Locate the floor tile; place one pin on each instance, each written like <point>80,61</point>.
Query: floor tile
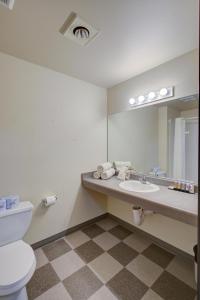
<point>151,295</point>
<point>171,288</point>
<point>76,239</point>
<point>126,286</point>
<point>41,258</point>
<point>105,267</point>
<point>82,284</point>
<point>103,294</point>
<point>107,224</point>
<point>123,253</point>
<point>55,249</point>
<point>120,232</point>
<point>43,279</point>
<point>67,264</point>
<point>158,255</point>
<point>106,240</point>
<point>137,242</point>
<point>89,251</point>
<point>57,292</point>
<point>93,230</point>
<point>144,269</point>
<point>183,269</point>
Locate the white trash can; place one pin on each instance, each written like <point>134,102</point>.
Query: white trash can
<point>138,215</point>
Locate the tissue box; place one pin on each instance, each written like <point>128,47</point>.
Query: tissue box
<point>2,204</point>
<point>11,201</point>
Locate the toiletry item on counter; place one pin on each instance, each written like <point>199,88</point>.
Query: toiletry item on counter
<point>182,186</point>
<point>108,173</point>
<point>120,164</point>
<point>10,201</point>
<point>171,187</point>
<point>191,188</point>
<point>187,187</point>
<point>97,175</point>
<point>156,171</point>
<point>103,167</point>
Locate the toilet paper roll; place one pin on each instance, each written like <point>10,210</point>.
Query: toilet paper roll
<point>48,201</point>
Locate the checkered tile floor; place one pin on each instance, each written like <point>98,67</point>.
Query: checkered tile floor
<point>107,262</point>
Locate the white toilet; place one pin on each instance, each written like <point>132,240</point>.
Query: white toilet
<point>17,259</point>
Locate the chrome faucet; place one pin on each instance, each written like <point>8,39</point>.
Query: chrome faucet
<point>143,179</point>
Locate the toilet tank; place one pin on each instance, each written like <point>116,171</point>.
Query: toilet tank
<point>15,222</point>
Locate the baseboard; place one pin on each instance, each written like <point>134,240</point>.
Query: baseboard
<point>130,227</point>
<point>67,231</point>
<point>155,240</point>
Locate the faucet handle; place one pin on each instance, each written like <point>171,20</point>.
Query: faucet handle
<point>143,179</point>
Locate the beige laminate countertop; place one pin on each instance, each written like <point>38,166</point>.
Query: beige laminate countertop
<point>177,205</point>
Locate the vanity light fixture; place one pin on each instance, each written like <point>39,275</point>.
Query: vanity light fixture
<point>132,101</point>
<point>161,94</point>
<point>151,96</point>
<point>141,99</point>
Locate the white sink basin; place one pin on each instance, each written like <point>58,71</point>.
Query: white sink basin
<point>137,186</point>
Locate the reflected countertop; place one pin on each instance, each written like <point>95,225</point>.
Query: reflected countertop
<point>177,205</point>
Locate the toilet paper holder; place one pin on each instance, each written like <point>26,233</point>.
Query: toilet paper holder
<point>49,201</point>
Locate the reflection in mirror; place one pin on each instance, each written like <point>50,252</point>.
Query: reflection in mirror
<point>160,140</point>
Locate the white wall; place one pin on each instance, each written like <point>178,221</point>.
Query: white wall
<point>133,136</point>
<point>52,128</point>
<point>181,72</point>
<point>191,113</point>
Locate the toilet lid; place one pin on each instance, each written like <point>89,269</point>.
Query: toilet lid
<point>16,261</point>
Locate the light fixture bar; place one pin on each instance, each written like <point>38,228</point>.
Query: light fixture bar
<point>152,96</point>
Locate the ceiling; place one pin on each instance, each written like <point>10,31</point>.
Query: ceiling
<point>136,35</point>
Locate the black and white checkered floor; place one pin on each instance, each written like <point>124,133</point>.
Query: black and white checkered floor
<point>105,261</point>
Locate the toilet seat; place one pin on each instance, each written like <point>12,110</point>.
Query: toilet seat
<point>17,265</point>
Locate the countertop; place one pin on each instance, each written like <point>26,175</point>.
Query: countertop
<point>177,205</point>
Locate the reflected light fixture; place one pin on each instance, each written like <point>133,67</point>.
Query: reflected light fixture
<point>141,99</point>
<point>132,101</point>
<point>151,95</point>
<point>163,92</point>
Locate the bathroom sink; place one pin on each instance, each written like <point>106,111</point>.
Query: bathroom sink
<point>137,186</point>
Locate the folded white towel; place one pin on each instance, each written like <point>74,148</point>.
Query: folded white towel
<point>96,175</point>
<point>119,164</point>
<point>103,167</point>
<point>108,173</point>
<point>122,173</point>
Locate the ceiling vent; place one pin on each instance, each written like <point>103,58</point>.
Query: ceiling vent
<point>8,3</point>
<point>79,31</point>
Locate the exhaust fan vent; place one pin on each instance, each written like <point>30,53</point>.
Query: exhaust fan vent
<point>8,3</point>
<point>76,29</point>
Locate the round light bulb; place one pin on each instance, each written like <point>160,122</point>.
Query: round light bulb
<point>163,92</point>
<point>132,101</point>
<point>141,99</point>
<point>151,96</point>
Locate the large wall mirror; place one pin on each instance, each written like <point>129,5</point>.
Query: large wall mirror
<point>160,140</point>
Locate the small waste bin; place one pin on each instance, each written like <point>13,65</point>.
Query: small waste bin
<point>195,261</point>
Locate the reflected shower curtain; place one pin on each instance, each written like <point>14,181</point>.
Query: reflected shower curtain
<point>179,149</point>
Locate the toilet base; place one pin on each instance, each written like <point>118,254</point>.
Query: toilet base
<point>19,295</point>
